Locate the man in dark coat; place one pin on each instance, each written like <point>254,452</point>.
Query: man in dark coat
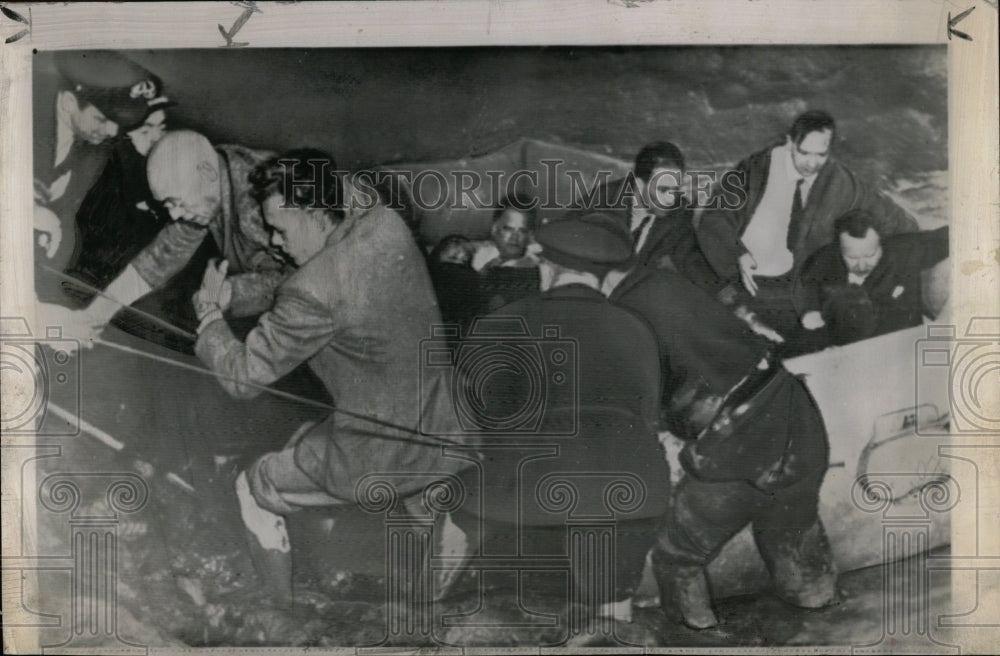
<point>79,113</point>
<point>356,310</point>
<point>652,205</point>
<point>596,427</point>
<point>865,285</point>
<point>778,209</point>
<point>756,453</point>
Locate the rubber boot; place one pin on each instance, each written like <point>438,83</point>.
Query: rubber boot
<point>684,593</point>
<point>274,568</point>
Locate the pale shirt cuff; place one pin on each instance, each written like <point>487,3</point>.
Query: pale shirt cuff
<point>212,316</point>
<point>126,289</point>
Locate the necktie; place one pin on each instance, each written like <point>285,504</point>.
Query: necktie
<point>798,214</point>
<point>637,233</point>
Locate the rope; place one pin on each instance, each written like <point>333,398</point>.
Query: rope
<point>415,436</point>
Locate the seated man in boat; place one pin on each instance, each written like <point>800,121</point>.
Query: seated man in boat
<point>355,310</point>
<point>508,261</point>
<point>866,284</point>
<point>456,283</point>
<point>756,449</point>
<point>510,243</point>
<point>651,203</point>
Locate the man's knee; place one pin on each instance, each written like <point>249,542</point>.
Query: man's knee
<point>266,526</point>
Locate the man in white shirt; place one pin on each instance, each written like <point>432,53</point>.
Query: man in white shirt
<point>510,243</point>
<point>791,194</point>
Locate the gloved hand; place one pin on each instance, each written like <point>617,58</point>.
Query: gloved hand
<point>216,292</point>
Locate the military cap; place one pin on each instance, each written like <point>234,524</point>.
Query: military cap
<point>593,242</point>
<point>123,90</point>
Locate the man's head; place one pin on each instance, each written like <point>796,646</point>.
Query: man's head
<point>149,132</point>
<point>87,122</point>
<point>511,230</point>
<point>453,249</point>
<point>103,93</point>
<point>860,242</point>
<point>809,139</point>
<point>183,171</point>
<point>589,246</point>
<point>301,196</point>
<point>659,172</point>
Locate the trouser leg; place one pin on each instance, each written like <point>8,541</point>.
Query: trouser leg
<point>794,545</point>
<point>633,541</point>
<point>267,539</point>
<point>702,518</point>
<point>274,486</point>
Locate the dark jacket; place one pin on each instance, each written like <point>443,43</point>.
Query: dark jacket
<point>357,312</point>
<point>595,446</point>
<point>891,292</point>
<point>112,228</point>
<point>671,242</point>
<point>835,191</point>
<point>709,360</point>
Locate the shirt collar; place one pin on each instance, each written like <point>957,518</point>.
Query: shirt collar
<point>793,174</point>
<point>64,135</point>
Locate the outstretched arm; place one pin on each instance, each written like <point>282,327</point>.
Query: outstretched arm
<point>294,330</point>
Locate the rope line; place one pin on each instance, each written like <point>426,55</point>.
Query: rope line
<point>415,436</point>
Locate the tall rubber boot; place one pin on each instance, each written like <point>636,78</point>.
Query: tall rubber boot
<point>684,592</point>
<point>274,567</point>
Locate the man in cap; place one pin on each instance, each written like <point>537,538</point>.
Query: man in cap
<point>596,430</point>
<point>205,190</point>
<point>100,95</point>
<point>119,216</point>
<point>756,448</point>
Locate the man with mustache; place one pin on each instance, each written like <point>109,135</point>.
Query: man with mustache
<point>862,285</point>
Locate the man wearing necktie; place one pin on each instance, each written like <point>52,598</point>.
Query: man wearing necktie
<point>790,195</point>
<point>652,203</point>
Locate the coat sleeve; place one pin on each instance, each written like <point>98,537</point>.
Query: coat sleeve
<point>719,232</point>
<point>169,252</point>
<point>295,329</point>
<point>892,219</point>
<point>933,246</point>
<point>254,292</point>
<point>806,287</point>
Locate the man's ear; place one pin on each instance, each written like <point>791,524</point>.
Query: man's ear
<point>208,171</point>
<point>67,101</point>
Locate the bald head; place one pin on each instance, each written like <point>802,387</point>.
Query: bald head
<point>183,171</point>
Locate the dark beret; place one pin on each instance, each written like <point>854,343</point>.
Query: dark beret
<point>593,242</point>
<point>122,89</point>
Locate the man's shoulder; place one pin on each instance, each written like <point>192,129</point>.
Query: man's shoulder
<point>243,156</point>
